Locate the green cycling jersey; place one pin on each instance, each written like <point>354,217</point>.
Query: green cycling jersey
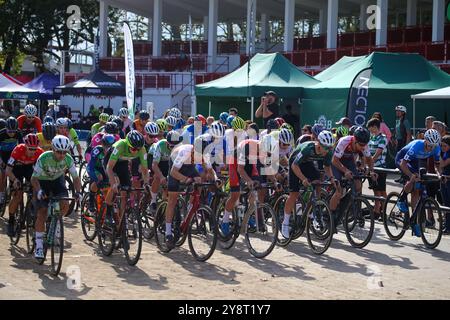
<point>160,151</point>
<point>48,168</point>
<point>122,152</point>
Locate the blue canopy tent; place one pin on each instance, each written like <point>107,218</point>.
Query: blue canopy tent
<point>45,83</point>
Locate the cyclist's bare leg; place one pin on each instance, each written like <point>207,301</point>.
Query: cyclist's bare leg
<point>336,198</point>
<point>40,220</point>
<point>64,205</point>
<point>290,202</point>
<point>16,199</point>
<point>171,204</point>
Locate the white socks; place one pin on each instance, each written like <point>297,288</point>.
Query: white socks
<point>168,229</point>
<point>287,216</point>
<point>154,195</point>
<point>226,217</point>
<point>39,240</point>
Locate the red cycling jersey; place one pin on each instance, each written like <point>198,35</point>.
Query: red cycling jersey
<point>19,156</point>
<point>34,127</point>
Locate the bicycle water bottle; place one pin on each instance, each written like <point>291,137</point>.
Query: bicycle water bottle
<point>298,209</point>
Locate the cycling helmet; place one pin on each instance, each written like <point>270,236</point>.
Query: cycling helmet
<point>175,112</point>
<point>49,130</point>
<point>151,128</point>
<point>62,122</point>
<point>238,123</point>
<point>279,121</point>
<point>286,136</point>
<point>287,126</point>
<point>11,124</point>
<point>268,144</point>
<point>110,128</point>
<point>400,108</point>
<point>30,110</point>
<point>123,112</point>
<point>171,121</point>
<point>272,124</point>
<point>69,123</point>
<point>433,137</point>
<point>103,117</point>
<point>201,118</point>
<point>31,140</point>
<point>118,122</point>
<point>317,129</point>
<point>217,129</point>
<point>326,139</point>
<point>173,137</point>
<point>223,117</point>
<point>61,143</point>
<point>229,120</point>
<point>144,115</point>
<point>352,129</point>
<point>342,131</point>
<point>162,124</point>
<point>362,135</point>
<point>49,119</point>
<point>108,140</point>
<point>135,139</point>
<point>181,123</point>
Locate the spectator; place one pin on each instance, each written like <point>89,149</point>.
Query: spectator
<point>109,110</point>
<point>51,112</point>
<point>402,128</point>
<point>268,109</point>
<point>440,127</point>
<point>445,186</point>
<point>344,121</point>
<point>292,119</point>
<point>233,112</point>
<point>209,121</point>
<point>100,110</point>
<point>93,113</point>
<point>383,126</point>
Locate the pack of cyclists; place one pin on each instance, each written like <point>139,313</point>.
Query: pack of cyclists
<point>166,155</point>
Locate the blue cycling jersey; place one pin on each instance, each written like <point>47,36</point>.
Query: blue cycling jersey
<point>189,134</point>
<point>415,150</point>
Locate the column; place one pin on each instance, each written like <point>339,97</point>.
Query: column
<point>150,29</point>
<point>322,21</point>
<point>264,35</point>
<point>251,27</point>
<point>212,34</point>
<point>289,21</point>
<point>381,23</point>
<point>103,29</point>
<point>362,17</point>
<point>411,12</point>
<point>332,23</point>
<point>157,27</point>
<point>439,14</point>
<point>205,28</point>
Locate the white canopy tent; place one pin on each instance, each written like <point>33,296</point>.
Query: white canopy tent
<point>438,94</point>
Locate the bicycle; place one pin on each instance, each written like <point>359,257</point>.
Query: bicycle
<point>260,230</point>
<point>198,225</point>
<point>54,236</point>
<point>88,220</point>
<point>6,201</point>
<point>396,221</point>
<point>22,214</point>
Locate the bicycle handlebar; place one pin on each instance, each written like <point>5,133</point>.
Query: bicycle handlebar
<point>386,170</point>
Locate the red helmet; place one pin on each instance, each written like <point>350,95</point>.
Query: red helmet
<point>279,121</point>
<point>31,140</point>
<point>201,118</point>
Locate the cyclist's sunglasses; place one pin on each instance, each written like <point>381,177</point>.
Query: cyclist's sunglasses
<point>61,152</point>
<point>30,118</point>
<point>134,149</point>
<point>285,144</point>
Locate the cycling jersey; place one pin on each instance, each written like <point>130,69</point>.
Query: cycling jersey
<point>415,150</point>
<point>95,164</point>
<point>96,128</point>
<point>19,156</point>
<point>26,128</point>
<point>189,134</point>
<point>121,152</point>
<point>248,156</point>
<point>73,136</point>
<point>344,148</point>
<point>306,152</point>
<point>304,138</point>
<point>160,151</point>
<point>48,168</point>
<point>378,142</point>
<point>283,152</point>
<point>7,143</point>
<point>126,125</point>
<point>46,145</point>
<point>136,125</point>
<point>97,139</point>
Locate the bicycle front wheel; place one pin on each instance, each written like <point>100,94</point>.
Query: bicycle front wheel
<point>19,221</point>
<point>227,240</point>
<point>106,234</point>
<point>359,223</point>
<point>29,226</point>
<point>261,230</point>
<point>202,233</point>
<point>88,224</point>
<point>319,227</point>
<point>132,237</point>
<point>394,220</point>
<point>57,246</point>
<point>431,223</point>
<point>160,227</point>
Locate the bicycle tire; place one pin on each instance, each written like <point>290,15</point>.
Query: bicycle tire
<point>18,220</point>
<point>361,221</point>
<point>147,219</point>
<point>29,226</point>
<point>160,228</point>
<point>392,216</point>
<point>422,222</point>
<point>86,224</point>
<point>311,228</point>
<point>5,204</point>
<point>299,219</point>
<point>227,242</point>
<point>279,211</point>
<point>199,220</point>
<point>57,247</point>
<point>104,235</point>
<point>180,215</point>
<point>132,218</point>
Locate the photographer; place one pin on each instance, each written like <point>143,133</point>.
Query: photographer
<point>268,109</point>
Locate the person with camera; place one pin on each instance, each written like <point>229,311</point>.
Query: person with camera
<point>268,109</point>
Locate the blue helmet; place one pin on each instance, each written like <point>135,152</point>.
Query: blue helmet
<point>229,120</point>
<point>108,140</point>
<point>223,117</point>
<point>49,119</point>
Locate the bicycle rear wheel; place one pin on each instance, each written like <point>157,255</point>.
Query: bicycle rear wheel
<point>227,241</point>
<point>202,233</point>
<point>19,219</point>
<point>106,234</point>
<point>29,226</point>
<point>7,198</point>
<point>180,215</point>
<point>147,220</point>
<point>431,223</point>
<point>57,246</point>
<point>160,227</point>
<point>279,212</point>
<point>359,223</point>
<point>319,227</point>
<point>261,241</point>
<point>394,220</point>
<point>88,224</point>
<point>132,236</point>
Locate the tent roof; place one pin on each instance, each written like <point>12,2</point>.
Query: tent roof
<point>267,72</point>
<point>390,71</point>
<point>10,90</point>
<point>44,83</point>
<point>443,93</point>
<point>341,65</point>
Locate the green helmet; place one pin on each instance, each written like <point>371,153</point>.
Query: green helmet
<point>287,126</point>
<point>162,124</point>
<point>342,131</point>
<point>103,117</point>
<point>238,123</point>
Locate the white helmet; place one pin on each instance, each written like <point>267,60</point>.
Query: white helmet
<point>61,143</point>
<point>217,129</point>
<point>286,136</point>
<point>30,110</point>
<point>433,137</point>
<point>151,128</point>
<point>326,138</point>
<point>61,122</point>
<point>400,108</point>
<point>171,121</point>
<point>269,144</point>
<point>123,112</point>
<point>175,112</point>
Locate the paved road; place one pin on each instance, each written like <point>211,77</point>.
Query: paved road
<point>382,270</point>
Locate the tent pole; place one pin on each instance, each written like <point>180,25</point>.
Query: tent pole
<point>253,107</point>
<point>209,109</point>
<point>414,116</point>
<point>83,105</point>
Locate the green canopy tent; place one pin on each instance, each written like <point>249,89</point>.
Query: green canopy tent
<point>358,86</point>
<point>267,72</point>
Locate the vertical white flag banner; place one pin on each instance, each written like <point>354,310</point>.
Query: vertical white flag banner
<point>129,69</point>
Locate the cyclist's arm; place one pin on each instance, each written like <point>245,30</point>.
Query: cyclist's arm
<point>338,164</point>
<point>243,174</point>
<point>9,172</point>
<point>156,170</point>
<point>298,172</point>
<point>109,170</point>
<point>175,173</point>
<point>329,172</point>
<point>38,125</point>
<point>405,169</point>
<point>35,184</point>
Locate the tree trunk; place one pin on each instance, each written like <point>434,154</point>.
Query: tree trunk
<point>230,33</point>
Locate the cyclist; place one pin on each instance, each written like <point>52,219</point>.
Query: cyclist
<point>302,170</point>
<point>171,123</point>
<point>315,131</point>
<point>223,118</point>
<point>124,116</point>
<point>48,119</point>
<point>20,166</point>
<point>162,125</point>
<point>63,127</point>
<point>108,128</point>
<point>96,170</point>
<point>29,122</point>
<point>48,179</point>
<point>445,186</point>
<point>102,119</point>
<point>270,126</point>
<point>141,121</point>
<point>407,160</point>
<point>45,137</point>
<point>10,137</point>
